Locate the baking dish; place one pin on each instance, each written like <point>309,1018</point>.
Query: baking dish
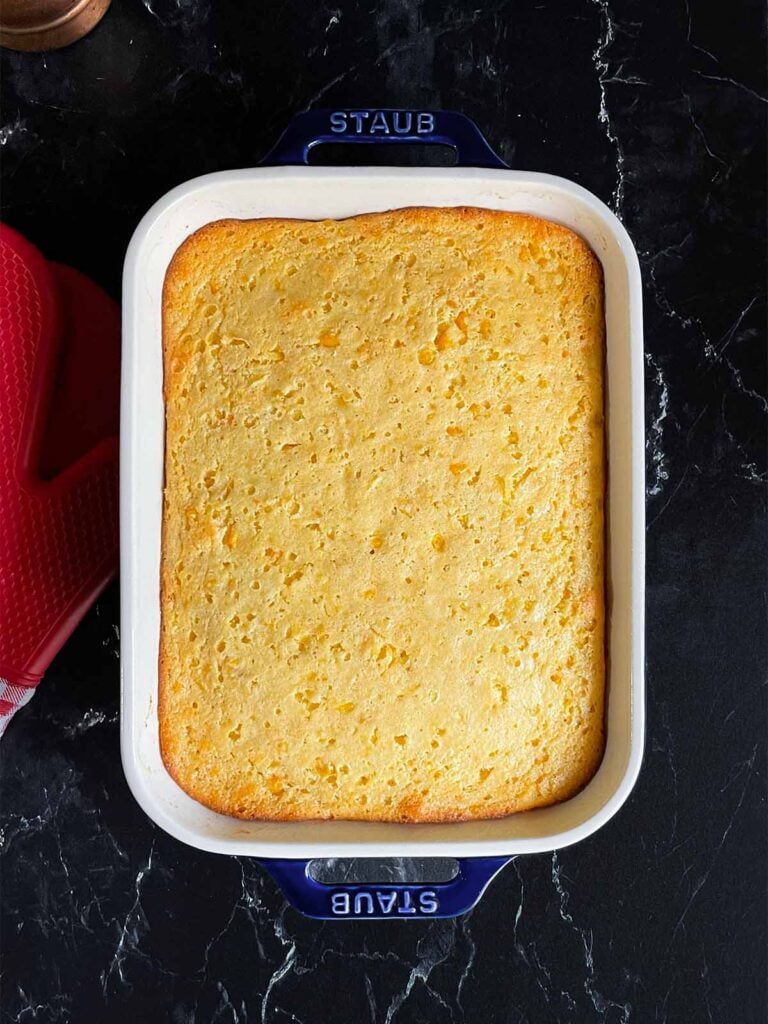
<point>288,187</point>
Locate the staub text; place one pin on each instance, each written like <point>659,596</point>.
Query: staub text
<point>384,904</point>
<point>382,122</point>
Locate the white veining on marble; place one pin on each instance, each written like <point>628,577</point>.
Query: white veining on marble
<point>239,1014</point>
<point>334,18</point>
<point>600,1002</point>
<point>433,949</point>
<point>370,997</point>
<point>463,925</point>
<point>133,927</point>
<point>722,79</point>
<point>743,770</point>
<point>417,46</point>
<point>148,5</point>
<point>112,643</point>
<point>400,22</point>
<point>205,967</point>
<point>731,81</point>
<point>700,132</point>
<point>540,974</point>
<point>713,354</point>
<point>31,1011</point>
<point>20,826</point>
<point>667,748</point>
<point>654,442</point>
<point>527,951</point>
<point>600,59</point>
<point>184,14</point>
<point>9,132</point>
<point>91,718</point>
<point>716,354</point>
<point>283,968</point>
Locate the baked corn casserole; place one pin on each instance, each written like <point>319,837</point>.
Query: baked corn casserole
<point>382,566</point>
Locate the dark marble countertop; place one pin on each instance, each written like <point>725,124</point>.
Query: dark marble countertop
<point>660,109</point>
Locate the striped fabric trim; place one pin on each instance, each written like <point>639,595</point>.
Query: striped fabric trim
<point>12,698</point>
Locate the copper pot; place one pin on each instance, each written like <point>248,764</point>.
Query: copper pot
<point>48,24</point>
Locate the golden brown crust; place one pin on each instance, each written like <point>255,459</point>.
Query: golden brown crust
<point>240,277</point>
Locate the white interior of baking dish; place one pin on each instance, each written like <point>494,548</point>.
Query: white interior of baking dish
<point>315,192</point>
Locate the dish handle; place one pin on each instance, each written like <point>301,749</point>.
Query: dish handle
<point>406,901</point>
<point>388,126</point>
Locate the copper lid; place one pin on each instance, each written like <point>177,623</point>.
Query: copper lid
<point>48,24</point>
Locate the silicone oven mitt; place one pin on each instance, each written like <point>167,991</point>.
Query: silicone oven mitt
<point>59,373</point>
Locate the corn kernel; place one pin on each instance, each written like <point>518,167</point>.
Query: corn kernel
<point>443,341</point>
<point>346,707</point>
<point>377,541</point>
<point>275,785</point>
<point>426,356</point>
<point>230,536</point>
<point>454,431</point>
<point>328,340</point>
<point>457,467</point>
<point>438,542</point>
<point>493,620</point>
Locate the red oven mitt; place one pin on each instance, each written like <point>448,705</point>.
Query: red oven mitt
<point>59,400</point>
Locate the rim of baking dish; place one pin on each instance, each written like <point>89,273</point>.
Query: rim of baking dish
<point>379,838</point>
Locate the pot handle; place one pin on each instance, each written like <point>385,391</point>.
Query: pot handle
<point>405,901</point>
<point>389,126</point>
